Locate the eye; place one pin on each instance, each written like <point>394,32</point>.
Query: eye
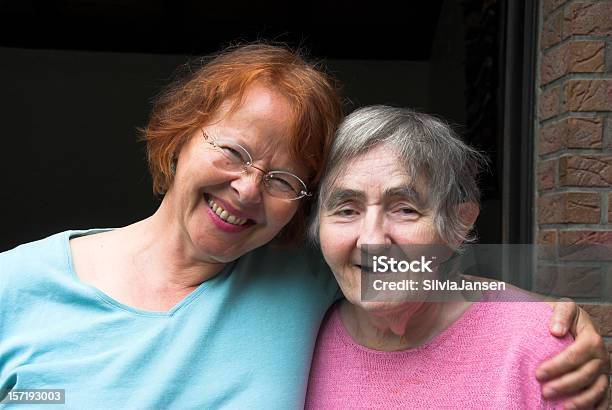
<point>345,212</point>
<point>281,184</point>
<point>405,211</point>
<point>232,153</point>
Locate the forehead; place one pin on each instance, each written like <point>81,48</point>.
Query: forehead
<point>260,105</point>
<point>260,121</point>
<point>375,169</point>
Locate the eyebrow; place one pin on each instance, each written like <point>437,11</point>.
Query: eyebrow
<point>408,192</point>
<point>236,139</point>
<point>341,195</point>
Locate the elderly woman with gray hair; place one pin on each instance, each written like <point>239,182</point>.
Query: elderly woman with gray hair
<point>398,177</point>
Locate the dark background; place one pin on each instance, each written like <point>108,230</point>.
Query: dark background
<point>77,79</point>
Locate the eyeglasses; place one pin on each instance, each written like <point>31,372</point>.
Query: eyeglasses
<point>235,158</point>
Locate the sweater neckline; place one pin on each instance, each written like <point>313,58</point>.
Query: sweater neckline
<point>114,303</point>
<point>470,315</point>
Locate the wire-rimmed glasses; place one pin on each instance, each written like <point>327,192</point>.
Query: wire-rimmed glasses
<point>235,158</point>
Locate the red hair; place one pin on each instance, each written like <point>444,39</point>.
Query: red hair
<point>192,101</point>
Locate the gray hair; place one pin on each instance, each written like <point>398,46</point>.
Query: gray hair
<point>427,147</point>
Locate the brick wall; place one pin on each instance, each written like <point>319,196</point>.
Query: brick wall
<point>574,143</point>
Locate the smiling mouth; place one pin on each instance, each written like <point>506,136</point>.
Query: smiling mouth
<point>226,215</point>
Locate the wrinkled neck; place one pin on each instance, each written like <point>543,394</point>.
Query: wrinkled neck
<point>406,326</point>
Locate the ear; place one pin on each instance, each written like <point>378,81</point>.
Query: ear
<point>468,212</point>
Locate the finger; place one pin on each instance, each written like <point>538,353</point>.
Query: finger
<point>563,318</point>
<point>605,403</point>
<point>590,397</point>
<point>587,345</point>
<point>569,359</point>
<point>573,382</point>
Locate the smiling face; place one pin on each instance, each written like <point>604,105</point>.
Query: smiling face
<point>226,214</point>
<point>374,202</point>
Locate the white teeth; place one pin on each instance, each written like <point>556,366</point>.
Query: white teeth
<point>226,216</point>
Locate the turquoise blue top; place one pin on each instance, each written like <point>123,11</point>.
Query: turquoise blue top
<point>243,339</point>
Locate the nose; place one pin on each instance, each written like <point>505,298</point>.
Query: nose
<point>373,230</point>
<point>247,186</point>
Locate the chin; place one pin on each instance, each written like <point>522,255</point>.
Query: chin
<point>210,246</point>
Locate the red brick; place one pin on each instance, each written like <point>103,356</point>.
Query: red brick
<point>588,237</point>
<point>549,103</point>
<point>569,281</point>
<point>601,314</point>
<point>607,133</point>
<point>571,133</point>
<point>547,241</point>
<point>549,210</point>
<point>569,207</point>
<point>552,30</point>
<point>591,171</point>
<point>584,133</point>
<point>555,64</point>
<point>586,57</point>
<point>608,62</point>
<point>552,137</point>
<point>547,237</point>
<point>546,174</point>
<point>587,95</point>
<point>550,5</point>
<point>572,57</point>
<point>585,245</point>
<point>588,18</point>
<point>582,207</point>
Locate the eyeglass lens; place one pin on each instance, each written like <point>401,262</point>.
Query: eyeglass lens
<point>277,183</point>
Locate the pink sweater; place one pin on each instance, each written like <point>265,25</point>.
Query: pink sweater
<point>485,360</point>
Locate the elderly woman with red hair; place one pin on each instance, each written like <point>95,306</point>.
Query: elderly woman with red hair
<point>190,308</point>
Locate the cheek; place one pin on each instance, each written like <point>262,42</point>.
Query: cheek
<point>280,214</point>
<point>417,234</point>
<point>335,245</point>
<point>325,242</point>
<point>427,235</point>
<point>338,244</point>
<point>195,175</point>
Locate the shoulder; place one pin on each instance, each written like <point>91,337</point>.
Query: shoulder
<point>518,341</point>
<point>36,262</point>
<point>49,250</point>
<point>27,274</point>
<point>524,327</point>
